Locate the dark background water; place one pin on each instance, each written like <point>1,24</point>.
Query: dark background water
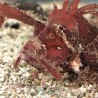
<point>87,1</point>
<point>57,0</point>
<point>39,5</point>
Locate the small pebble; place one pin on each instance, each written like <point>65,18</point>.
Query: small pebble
<point>12,23</point>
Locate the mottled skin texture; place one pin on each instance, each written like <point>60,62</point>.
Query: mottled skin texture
<point>67,40</point>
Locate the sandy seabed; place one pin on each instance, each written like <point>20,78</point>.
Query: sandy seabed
<point>19,83</point>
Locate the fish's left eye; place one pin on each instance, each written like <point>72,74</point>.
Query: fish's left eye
<point>61,28</point>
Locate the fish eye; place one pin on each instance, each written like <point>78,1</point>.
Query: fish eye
<point>61,28</point>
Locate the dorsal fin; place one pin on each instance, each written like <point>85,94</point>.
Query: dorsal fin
<point>65,5</point>
<point>73,6</point>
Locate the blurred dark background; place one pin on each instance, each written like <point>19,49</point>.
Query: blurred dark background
<point>41,7</point>
<point>33,4</point>
<point>30,3</point>
<point>85,1</point>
